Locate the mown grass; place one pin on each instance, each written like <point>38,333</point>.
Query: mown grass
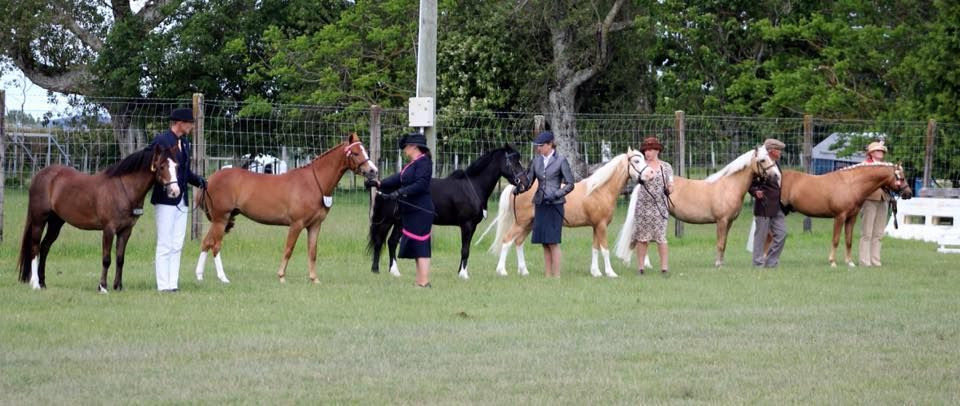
<point>803,333</point>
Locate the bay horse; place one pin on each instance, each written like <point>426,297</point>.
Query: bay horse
<point>111,200</point>
<point>591,203</point>
<point>840,194</point>
<point>716,199</point>
<point>300,198</point>
<point>458,200</point>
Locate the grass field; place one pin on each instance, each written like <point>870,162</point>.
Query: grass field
<point>803,333</point>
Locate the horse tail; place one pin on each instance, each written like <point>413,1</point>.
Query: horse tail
<point>26,249</point>
<point>505,218</point>
<point>622,246</point>
<point>377,217</point>
<point>200,201</point>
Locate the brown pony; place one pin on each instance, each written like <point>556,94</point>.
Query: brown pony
<point>591,203</point>
<point>300,198</point>
<point>717,199</point>
<point>839,194</point>
<point>111,201</point>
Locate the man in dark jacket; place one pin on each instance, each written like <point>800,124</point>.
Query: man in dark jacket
<point>767,214</point>
<point>171,213</point>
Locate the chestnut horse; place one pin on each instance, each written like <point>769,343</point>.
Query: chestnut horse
<point>300,199</point>
<point>839,194</point>
<point>717,199</point>
<point>591,203</point>
<point>111,201</point>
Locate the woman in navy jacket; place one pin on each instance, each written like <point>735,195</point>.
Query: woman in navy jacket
<point>411,187</point>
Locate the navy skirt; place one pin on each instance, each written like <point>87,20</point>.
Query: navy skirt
<point>413,247</point>
<point>547,223</point>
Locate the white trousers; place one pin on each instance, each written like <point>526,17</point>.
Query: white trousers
<point>171,230</point>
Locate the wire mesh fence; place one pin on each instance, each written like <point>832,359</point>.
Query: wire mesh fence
<point>275,138</point>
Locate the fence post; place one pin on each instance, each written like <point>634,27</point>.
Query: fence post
<point>3,155</point>
<point>807,160</point>
<point>928,154</point>
<point>375,134</point>
<point>679,125</point>
<point>199,163</point>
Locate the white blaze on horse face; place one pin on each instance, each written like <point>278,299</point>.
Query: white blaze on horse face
<point>173,189</point>
<point>637,165</point>
<point>373,167</point>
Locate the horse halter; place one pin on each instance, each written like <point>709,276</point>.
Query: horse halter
<point>633,168</point>
<point>153,168</point>
<point>513,170</point>
<point>348,151</point>
<point>760,168</point>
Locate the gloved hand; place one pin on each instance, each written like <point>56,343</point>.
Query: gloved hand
<point>391,196</point>
<point>203,182</point>
<point>516,191</point>
<point>369,183</point>
<point>549,196</point>
<point>666,191</point>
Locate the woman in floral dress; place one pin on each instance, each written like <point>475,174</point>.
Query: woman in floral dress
<point>651,214</point>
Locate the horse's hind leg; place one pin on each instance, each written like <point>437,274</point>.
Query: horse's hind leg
<point>107,245</point>
<point>392,243</point>
<point>122,237</point>
<point>378,236</point>
<point>600,243</point>
<point>466,235</point>
<point>292,236</point>
<point>213,242</point>
<point>54,225</point>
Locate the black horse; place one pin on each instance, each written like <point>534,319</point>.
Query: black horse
<point>459,200</point>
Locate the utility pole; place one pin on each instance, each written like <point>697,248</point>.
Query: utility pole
<point>427,68</point>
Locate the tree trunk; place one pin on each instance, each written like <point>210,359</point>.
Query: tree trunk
<point>563,123</point>
<point>123,135</point>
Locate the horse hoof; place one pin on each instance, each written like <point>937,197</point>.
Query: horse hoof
<point>851,264</point>
<point>283,279</point>
<point>833,264</point>
<point>522,272</point>
<point>375,271</point>
<point>315,281</point>
<point>595,274</point>
<point>102,289</point>
<point>612,275</point>
<point>200,277</point>
<point>224,280</point>
<point>463,275</point>
<point>502,272</point>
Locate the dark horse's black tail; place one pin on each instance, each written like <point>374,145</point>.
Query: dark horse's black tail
<point>377,234</point>
<point>26,249</point>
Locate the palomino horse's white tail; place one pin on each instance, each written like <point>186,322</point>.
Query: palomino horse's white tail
<point>504,219</point>
<point>623,250</point>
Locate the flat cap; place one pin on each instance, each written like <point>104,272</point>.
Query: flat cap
<point>773,143</point>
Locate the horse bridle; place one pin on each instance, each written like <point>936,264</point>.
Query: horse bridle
<point>513,170</point>
<point>760,168</point>
<point>632,168</point>
<point>348,150</point>
<point>898,180</point>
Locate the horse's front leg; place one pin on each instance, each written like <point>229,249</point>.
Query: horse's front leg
<point>292,236</point>
<point>466,235</point>
<point>837,223</point>
<point>392,244</point>
<point>848,234</point>
<point>106,246</point>
<point>600,240</point>
<point>122,237</point>
<point>723,228</point>
<point>213,242</point>
<point>312,233</point>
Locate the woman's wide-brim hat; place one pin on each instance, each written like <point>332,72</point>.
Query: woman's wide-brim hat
<point>651,143</point>
<point>185,115</point>
<point>417,139</point>
<point>876,146</point>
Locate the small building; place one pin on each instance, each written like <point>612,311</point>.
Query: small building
<point>825,157</point>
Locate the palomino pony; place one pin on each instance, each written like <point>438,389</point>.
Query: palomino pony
<point>591,203</point>
<point>111,201</point>
<point>839,194</point>
<point>300,199</point>
<point>458,200</point>
<point>717,199</point>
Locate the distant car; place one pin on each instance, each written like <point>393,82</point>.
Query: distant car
<point>263,163</point>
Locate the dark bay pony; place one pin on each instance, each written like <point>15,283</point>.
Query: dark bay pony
<point>111,200</point>
<point>459,200</point>
<point>716,199</point>
<point>839,194</point>
<point>300,199</point>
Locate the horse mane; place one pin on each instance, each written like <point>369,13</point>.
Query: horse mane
<point>865,165</point>
<point>737,165</point>
<point>605,173</point>
<point>135,162</point>
<point>476,166</point>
